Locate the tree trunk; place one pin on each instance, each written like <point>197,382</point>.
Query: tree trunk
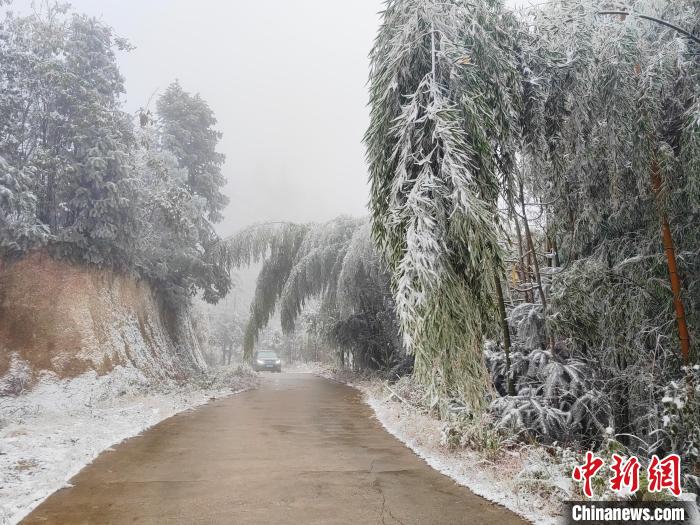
<point>683,334</point>
<point>506,332</point>
<point>521,258</point>
<point>555,247</point>
<point>531,249</point>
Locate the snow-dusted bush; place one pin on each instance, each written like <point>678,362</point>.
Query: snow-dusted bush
<point>526,321</point>
<point>557,397</point>
<point>462,431</point>
<point>680,416</point>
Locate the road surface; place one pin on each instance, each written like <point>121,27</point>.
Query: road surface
<point>299,450</point>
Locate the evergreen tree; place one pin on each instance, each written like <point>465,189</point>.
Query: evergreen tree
<point>187,131</point>
<point>77,178</point>
<point>63,132</point>
<point>175,245</point>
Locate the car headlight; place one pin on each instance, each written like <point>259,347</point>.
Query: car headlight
<point>260,362</point>
<point>278,362</point>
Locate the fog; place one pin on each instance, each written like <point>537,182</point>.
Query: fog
<point>286,80</point>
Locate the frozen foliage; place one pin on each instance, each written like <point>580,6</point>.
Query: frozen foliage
<point>581,183</point>
<point>527,323</point>
<point>187,127</point>
<point>18,232</point>
<point>556,399</point>
<point>79,179</point>
<point>175,246</point>
<point>612,144</point>
<point>680,417</point>
<point>63,136</point>
<point>51,432</point>
<point>334,262</point>
<point>442,95</point>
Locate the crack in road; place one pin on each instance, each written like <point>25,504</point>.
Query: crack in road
<point>385,509</point>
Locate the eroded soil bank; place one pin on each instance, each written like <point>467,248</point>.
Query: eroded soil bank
<point>67,319</point>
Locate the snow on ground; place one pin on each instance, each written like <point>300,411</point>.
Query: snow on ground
<point>528,481</point>
<point>50,433</point>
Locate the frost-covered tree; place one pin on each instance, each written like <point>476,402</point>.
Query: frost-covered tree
<point>63,132</point>
<point>443,95</point>
<point>334,263</point>
<point>228,333</point>
<point>78,180</point>
<point>175,243</point>
<point>366,325</point>
<point>587,143</point>
<point>612,144</point>
<point>187,124</point>
<point>609,164</point>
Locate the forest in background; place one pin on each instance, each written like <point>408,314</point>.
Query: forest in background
<point>532,244</point>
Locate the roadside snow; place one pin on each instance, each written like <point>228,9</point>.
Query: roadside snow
<point>50,433</point>
<point>505,481</point>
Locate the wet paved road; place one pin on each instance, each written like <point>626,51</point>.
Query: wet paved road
<point>299,450</point>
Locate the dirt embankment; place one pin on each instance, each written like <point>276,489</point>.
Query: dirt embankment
<point>69,319</point>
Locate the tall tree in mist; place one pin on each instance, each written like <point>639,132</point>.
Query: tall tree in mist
<point>188,131</point>
<point>78,180</point>
<point>63,133</point>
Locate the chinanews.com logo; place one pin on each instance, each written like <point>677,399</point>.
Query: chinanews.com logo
<point>631,512</point>
<point>662,474</point>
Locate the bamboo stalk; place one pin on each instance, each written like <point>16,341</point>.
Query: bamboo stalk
<point>555,247</point>
<point>518,231</point>
<point>669,248</point>
<point>531,247</point>
<point>506,332</point>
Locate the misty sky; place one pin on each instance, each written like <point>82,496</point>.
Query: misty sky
<point>286,80</point>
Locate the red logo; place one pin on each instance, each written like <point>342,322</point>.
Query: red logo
<point>662,473</point>
<point>626,474</point>
<point>586,471</point>
<point>665,474</point>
